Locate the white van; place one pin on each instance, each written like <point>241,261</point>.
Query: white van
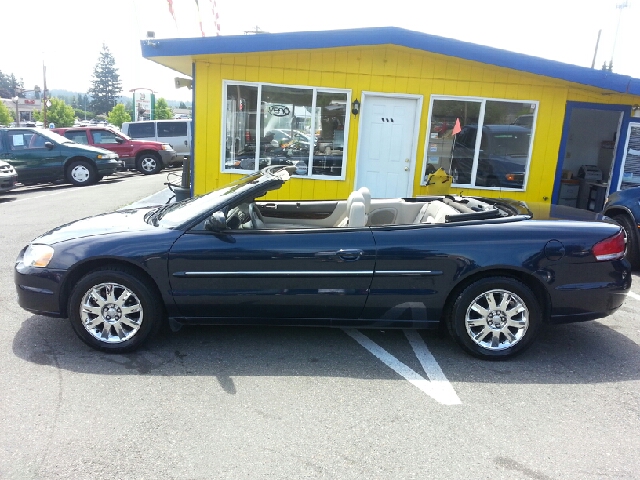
<point>178,133</point>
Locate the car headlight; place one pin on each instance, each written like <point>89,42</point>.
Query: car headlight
<point>37,255</point>
<point>166,146</point>
<point>107,157</point>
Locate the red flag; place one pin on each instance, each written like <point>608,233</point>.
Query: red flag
<point>456,127</point>
<point>199,18</point>
<point>216,17</point>
<point>170,2</point>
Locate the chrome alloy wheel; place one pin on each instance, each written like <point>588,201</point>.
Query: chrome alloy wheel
<point>111,313</point>
<point>80,173</point>
<point>149,164</point>
<point>497,319</point>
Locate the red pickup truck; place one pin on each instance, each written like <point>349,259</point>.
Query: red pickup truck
<point>147,157</point>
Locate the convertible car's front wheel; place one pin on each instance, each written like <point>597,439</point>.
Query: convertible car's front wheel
<point>495,317</point>
<point>114,310</point>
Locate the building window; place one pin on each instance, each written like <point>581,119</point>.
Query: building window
<point>298,126</point>
<point>480,142</point>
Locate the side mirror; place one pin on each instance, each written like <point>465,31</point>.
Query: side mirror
<point>119,139</point>
<point>216,222</point>
<point>48,145</point>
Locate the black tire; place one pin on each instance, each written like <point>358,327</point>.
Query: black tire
<point>631,230</point>
<point>112,328</point>
<point>81,173</point>
<point>149,163</point>
<point>482,328</point>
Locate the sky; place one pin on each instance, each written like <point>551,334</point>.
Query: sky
<point>67,35</point>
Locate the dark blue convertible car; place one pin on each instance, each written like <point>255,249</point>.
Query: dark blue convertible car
<point>484,268</point>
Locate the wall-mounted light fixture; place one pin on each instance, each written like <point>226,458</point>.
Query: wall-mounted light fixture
<point>635,111</point>
<point>355,107</point>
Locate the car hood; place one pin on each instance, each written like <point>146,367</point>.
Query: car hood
<point>148,143</point>
<point>129,220</point>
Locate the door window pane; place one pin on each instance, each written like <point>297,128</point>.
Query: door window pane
<point>104,137</point>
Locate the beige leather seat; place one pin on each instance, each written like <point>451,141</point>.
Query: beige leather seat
<point>434,212</point>
<point>354,196</point>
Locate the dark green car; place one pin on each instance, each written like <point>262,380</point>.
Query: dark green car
<point>39,156</point>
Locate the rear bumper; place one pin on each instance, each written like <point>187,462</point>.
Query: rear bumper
<point>580,297</point>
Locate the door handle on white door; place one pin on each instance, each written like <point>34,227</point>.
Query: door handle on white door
<point>406,169</point>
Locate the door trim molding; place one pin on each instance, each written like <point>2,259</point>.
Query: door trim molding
<point>416,132</point>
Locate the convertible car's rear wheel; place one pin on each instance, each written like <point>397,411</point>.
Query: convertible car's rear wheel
<point>495,317</point>
<point>114,310</point>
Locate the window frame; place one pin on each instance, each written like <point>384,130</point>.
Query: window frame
<point>259,120</point>
<point>483,101</point>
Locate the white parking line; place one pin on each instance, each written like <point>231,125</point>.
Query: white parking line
<point>440,389</point>
<point>635,296</point>
<point>432,369</point>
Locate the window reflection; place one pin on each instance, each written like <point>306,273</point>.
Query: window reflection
<point>288,130</point>
<point>501,158</point>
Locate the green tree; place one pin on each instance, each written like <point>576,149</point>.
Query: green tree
<point>163,112</point>
<point>5,115</point>
<point>118,115</point>
<point>59,113</point>
<point>106,83</point>
<point>10,86</point>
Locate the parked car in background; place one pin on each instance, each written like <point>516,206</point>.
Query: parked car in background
<point>146,156</point>
<point>40,155</point>
<point>484,268</point>
<point>504,150</point>
<point>8,177</point>
<point>177,133</point>
<point>624,208</point>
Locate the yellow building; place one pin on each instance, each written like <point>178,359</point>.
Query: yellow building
<point>384,107</point>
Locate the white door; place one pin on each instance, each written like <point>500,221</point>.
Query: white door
<point>387,149</point>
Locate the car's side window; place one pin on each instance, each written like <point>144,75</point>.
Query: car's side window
<point>104,137</point>
<point>172,129</point>
<point>25,140</point>
<point>142,130</point>
<point>78,137</point>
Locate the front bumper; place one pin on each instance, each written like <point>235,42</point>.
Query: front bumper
<point>109,167</point>
<point>39,289</point>
<point>8,182</point>
<point>168,157</point>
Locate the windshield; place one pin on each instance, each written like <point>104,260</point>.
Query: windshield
<point>176,214</point>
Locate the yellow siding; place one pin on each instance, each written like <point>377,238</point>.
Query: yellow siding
<point>388,69</point>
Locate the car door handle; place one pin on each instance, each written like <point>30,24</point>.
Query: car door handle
<point>349,255</point>
<point>185,142</point>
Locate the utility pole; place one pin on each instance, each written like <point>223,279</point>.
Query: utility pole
<point>593,63</point>
<point>44,97</point>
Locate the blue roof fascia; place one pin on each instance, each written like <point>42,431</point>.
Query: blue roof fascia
<point>395,36</point>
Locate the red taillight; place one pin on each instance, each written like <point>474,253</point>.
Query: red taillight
<point>610,248</point>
